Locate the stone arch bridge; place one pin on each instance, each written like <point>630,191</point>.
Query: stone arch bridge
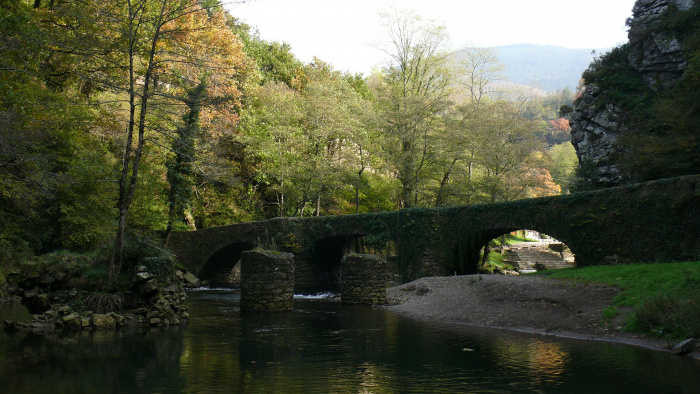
<point>654,221</point>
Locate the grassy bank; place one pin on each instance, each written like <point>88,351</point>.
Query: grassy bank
<point>665,298</point>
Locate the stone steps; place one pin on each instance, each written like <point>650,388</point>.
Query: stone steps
<point>527,257</point>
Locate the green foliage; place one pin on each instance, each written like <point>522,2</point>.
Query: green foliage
<point>142,245</point>
<point>663,315</point>
<point>148,210</point>
<point>162,265</point>
<point>563,164</point>
<point>179,169</point>
<point>275,60</point>
<point>665,297</point>
<point>674,147</point>
<point>619,83</point>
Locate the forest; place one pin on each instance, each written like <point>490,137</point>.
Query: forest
<point>148,116</point>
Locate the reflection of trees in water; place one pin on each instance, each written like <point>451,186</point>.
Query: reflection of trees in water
<point>324,347</point>
<point>99,361</point>
<point>545,361</point>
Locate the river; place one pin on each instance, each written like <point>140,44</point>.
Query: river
<point>325,347</point>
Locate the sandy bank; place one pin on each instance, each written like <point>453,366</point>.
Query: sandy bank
<point>523,303</point>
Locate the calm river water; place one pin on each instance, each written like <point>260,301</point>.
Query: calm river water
<point>323,347</point>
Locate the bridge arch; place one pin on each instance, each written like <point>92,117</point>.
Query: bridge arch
<point>466,252</point>
<point>320,270</point>
<point>222,267</point>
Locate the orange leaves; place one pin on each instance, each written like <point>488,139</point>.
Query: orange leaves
<point>200,45</point>
<point>561,124</point>
<point>541,183</point>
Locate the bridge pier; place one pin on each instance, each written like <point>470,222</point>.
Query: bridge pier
<point>267,281</point>
<point>363,279</point>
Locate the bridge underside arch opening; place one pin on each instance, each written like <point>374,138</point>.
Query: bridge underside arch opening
<point>508,251</point>
<point>320,272</point>
<point>223,268</point>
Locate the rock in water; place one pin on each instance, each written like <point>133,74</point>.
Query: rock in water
<point>684,347</point>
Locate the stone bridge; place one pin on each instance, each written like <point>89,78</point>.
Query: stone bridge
<point>648,222</point>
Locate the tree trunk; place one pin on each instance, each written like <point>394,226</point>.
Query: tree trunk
<point>126,195</point>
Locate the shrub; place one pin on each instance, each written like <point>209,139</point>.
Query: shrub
<point>668,316</point>
<point>159,265</point>
<point>104,302</point>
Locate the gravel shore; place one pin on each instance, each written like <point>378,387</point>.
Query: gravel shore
<point>524,303</point>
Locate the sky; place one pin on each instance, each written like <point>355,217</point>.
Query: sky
<point>342,32</point>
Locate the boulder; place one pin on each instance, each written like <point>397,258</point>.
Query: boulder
<point>684,347</point>
<point>72,321</point>
<point>102,321</point>
<point>189,280</point>
<point>597,126</point>
<point>149,286</point>
<point>141,276</point>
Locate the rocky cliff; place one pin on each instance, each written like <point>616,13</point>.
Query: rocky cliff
<point>653,56</point>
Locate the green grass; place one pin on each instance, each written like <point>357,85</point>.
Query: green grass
<point>516,239</point>
<point>665,297</point>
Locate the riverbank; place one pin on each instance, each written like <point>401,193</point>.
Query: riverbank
<point>526,303</point>
<point>69,292</point>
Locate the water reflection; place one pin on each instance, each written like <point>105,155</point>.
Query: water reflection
<point>545,361</point>
<point>144,361</point>
<point>328,347</point>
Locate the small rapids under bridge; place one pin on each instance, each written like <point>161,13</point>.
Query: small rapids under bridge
<point>647,222</point>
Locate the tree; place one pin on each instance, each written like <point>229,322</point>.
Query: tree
<point>55,189</point>
<point>476,69</point>
<point>180,168</point>
<point>506,143</point>
<point>415,89</point>
<point>208,73</point>
<point>309,138</point>
<point>134,50</point>
<point>563,164</point>
<point>272,129</point>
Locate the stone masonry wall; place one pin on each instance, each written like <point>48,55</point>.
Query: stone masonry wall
<point>267,281</point>
<point>363,279</point>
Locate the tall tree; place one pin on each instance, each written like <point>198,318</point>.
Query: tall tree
<point>475,70</point>
<point>130,49</point>
<point>208,74</point>
<point>180,167</point>
<point>416,89</point>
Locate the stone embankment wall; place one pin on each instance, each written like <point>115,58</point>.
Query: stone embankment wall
<point>267,281</point>
<point>55,298</point>
<point>363,279</point>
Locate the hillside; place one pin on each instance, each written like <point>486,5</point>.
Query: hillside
<point>548,67</point>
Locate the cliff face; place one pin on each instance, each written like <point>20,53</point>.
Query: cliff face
<point>596,124</point>
<point>657,57</point>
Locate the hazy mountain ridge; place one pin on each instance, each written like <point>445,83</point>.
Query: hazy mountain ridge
<point>546,66</point>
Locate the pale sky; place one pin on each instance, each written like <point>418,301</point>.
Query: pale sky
<point>341,32</point>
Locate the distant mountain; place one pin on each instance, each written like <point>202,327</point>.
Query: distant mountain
<point>545,66</point>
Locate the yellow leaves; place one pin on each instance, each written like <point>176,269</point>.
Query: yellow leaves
<point>200,45</point>
<point>541,183</point>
